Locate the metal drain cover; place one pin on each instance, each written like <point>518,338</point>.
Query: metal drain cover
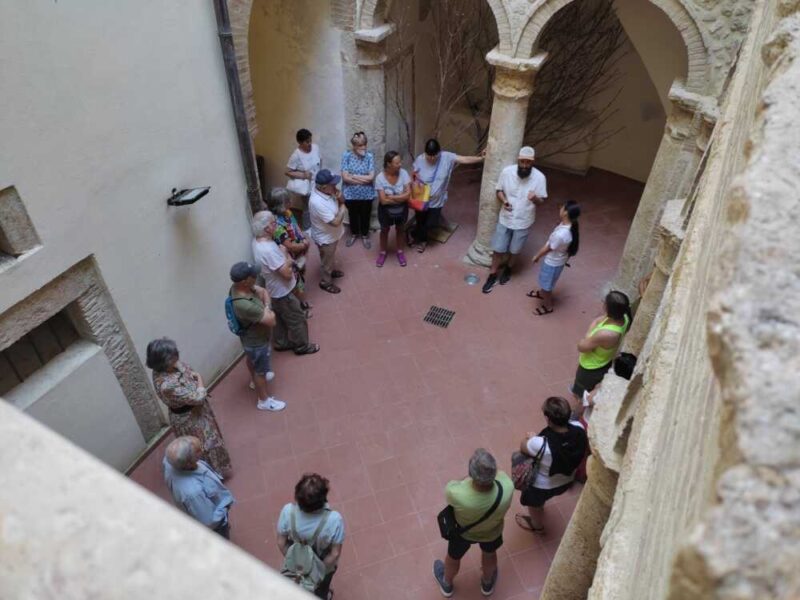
<point>471,279</point>
<point>440,317</point>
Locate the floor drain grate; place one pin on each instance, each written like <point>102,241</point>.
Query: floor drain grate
<point>440,317</point>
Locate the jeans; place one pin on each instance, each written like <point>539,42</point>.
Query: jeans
<point>359,212</point>
<point>426,220</point>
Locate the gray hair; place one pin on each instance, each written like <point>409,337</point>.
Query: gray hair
<point>482,467</point>
<point>278,199</point>
<point>260,221</point>
<point>182,453</point>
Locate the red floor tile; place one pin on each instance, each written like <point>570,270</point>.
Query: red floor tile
<point>392,407</point>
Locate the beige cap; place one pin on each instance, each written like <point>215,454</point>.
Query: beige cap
<point>526,152</point>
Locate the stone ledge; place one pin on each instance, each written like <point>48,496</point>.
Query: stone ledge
<point>375,35</point>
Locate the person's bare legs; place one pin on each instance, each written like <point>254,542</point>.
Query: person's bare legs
<point>488,565</point>
<point>547,299</point>
<point>260,381</point>
<point>537,516</point>
<point>451,567</point>
<point>385,239</point>
<point>400,237</point>
<point>497,260</point>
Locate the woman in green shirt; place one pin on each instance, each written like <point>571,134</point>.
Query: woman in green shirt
<point>601,343</point>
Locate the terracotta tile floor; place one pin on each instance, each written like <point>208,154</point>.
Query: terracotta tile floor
<point>392,407</point>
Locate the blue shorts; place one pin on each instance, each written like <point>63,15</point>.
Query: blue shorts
<point>508,240</point>
<point>548,276</point>
<point>259,358</point>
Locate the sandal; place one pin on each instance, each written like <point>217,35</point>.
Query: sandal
<point>534,294</point>
<point>307,349</point>
<point>421,247</point>
<point>542,310</point>
<point>337,274</point>
<point>331,288</point>
<point>305,305</point>
<point>401,258</point>
<point>525,523</point>
<point>381,259</point>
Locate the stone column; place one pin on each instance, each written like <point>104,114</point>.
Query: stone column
<point>513,86</point>
<point>670,234</point>
<point>573,567</point>
<point>686,137</point>
<point>363,58</point>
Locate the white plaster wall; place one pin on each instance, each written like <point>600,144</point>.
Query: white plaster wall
<point>106,108</point>
<point>295,64</point>
<point>77,395</point>
<point>659,44</point>
<point>639,111</point>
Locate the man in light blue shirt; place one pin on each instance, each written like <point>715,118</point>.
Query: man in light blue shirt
<point>196,488</point>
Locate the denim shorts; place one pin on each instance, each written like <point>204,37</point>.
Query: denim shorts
<point>259,358</point>
<point>548,275</point>
<point>509,240</point>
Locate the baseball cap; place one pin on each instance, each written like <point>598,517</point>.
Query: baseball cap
<point>242,270</point>
<point>527,153</point>
<point>324,177</point>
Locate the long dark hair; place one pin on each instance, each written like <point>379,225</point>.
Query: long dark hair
<point>618,306</point>
<point>389,157</point>
<point>573,212</point>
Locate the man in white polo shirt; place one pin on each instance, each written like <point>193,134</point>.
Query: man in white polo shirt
<point>520,188</point>
<point>277,267</point>
<point>327,211</point>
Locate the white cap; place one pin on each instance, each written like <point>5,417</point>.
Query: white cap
<point>527,153</point>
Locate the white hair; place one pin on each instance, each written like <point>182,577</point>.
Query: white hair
<point>181,453</point>
<point>260,221</point>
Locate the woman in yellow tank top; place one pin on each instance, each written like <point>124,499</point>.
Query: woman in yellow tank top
<point>601,344</point>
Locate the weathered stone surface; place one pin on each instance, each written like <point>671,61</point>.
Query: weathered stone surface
<point>73,529</point>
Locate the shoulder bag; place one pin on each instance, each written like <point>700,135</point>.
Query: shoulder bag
<point>449,527</point>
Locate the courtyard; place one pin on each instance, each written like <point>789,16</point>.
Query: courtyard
<point>392,407</point>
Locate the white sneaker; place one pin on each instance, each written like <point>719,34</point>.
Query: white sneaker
<point>271,404</point>
<point>270,376</point>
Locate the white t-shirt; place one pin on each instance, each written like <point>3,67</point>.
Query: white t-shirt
<point>269,257</point>
<point>559,242</point>
<point>303,161</point>
<point>436,175</point>
<point>381,183</point>
<point>322,210</point>
<point>543,480</point>
<point>523,211</point>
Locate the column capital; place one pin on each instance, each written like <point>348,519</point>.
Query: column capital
<point>514,76</point>
<point>693,115</point>
<point>371,45</point>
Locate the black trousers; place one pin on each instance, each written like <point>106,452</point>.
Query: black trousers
<point>359,212</point>
<point>324,586</point>
<point>426,220</point>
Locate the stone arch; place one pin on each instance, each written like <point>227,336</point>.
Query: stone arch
<point>699,65</point>
<point>240,11</point>
<point>371,16</point>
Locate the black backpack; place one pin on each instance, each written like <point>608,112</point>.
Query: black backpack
<point>567,449</point>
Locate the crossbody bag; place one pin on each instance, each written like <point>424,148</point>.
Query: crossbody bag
<point>449,527</point>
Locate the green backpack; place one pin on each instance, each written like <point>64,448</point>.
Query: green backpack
<point>301,563</point>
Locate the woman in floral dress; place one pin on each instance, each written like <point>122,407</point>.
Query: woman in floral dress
<point>184,393</point>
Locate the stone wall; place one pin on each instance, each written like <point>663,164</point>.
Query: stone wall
<point>704,437</point>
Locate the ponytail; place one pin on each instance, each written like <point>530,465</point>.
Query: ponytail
<point>573,212</point>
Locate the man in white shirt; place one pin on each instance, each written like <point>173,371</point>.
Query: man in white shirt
<point>277,267</point>
<point>327,210</point>
<point>520,189</point>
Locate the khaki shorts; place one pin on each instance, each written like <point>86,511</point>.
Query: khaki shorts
<point>298,202</point>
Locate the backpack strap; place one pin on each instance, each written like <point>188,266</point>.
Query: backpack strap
<point>293,527</point>
<point>489,512</point>
<point>251,323</point>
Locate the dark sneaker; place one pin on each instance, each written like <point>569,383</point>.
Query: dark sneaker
<point>438,575</point>
<point>505,275</point>
<point>487,587</point>
<point>490,281</point>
